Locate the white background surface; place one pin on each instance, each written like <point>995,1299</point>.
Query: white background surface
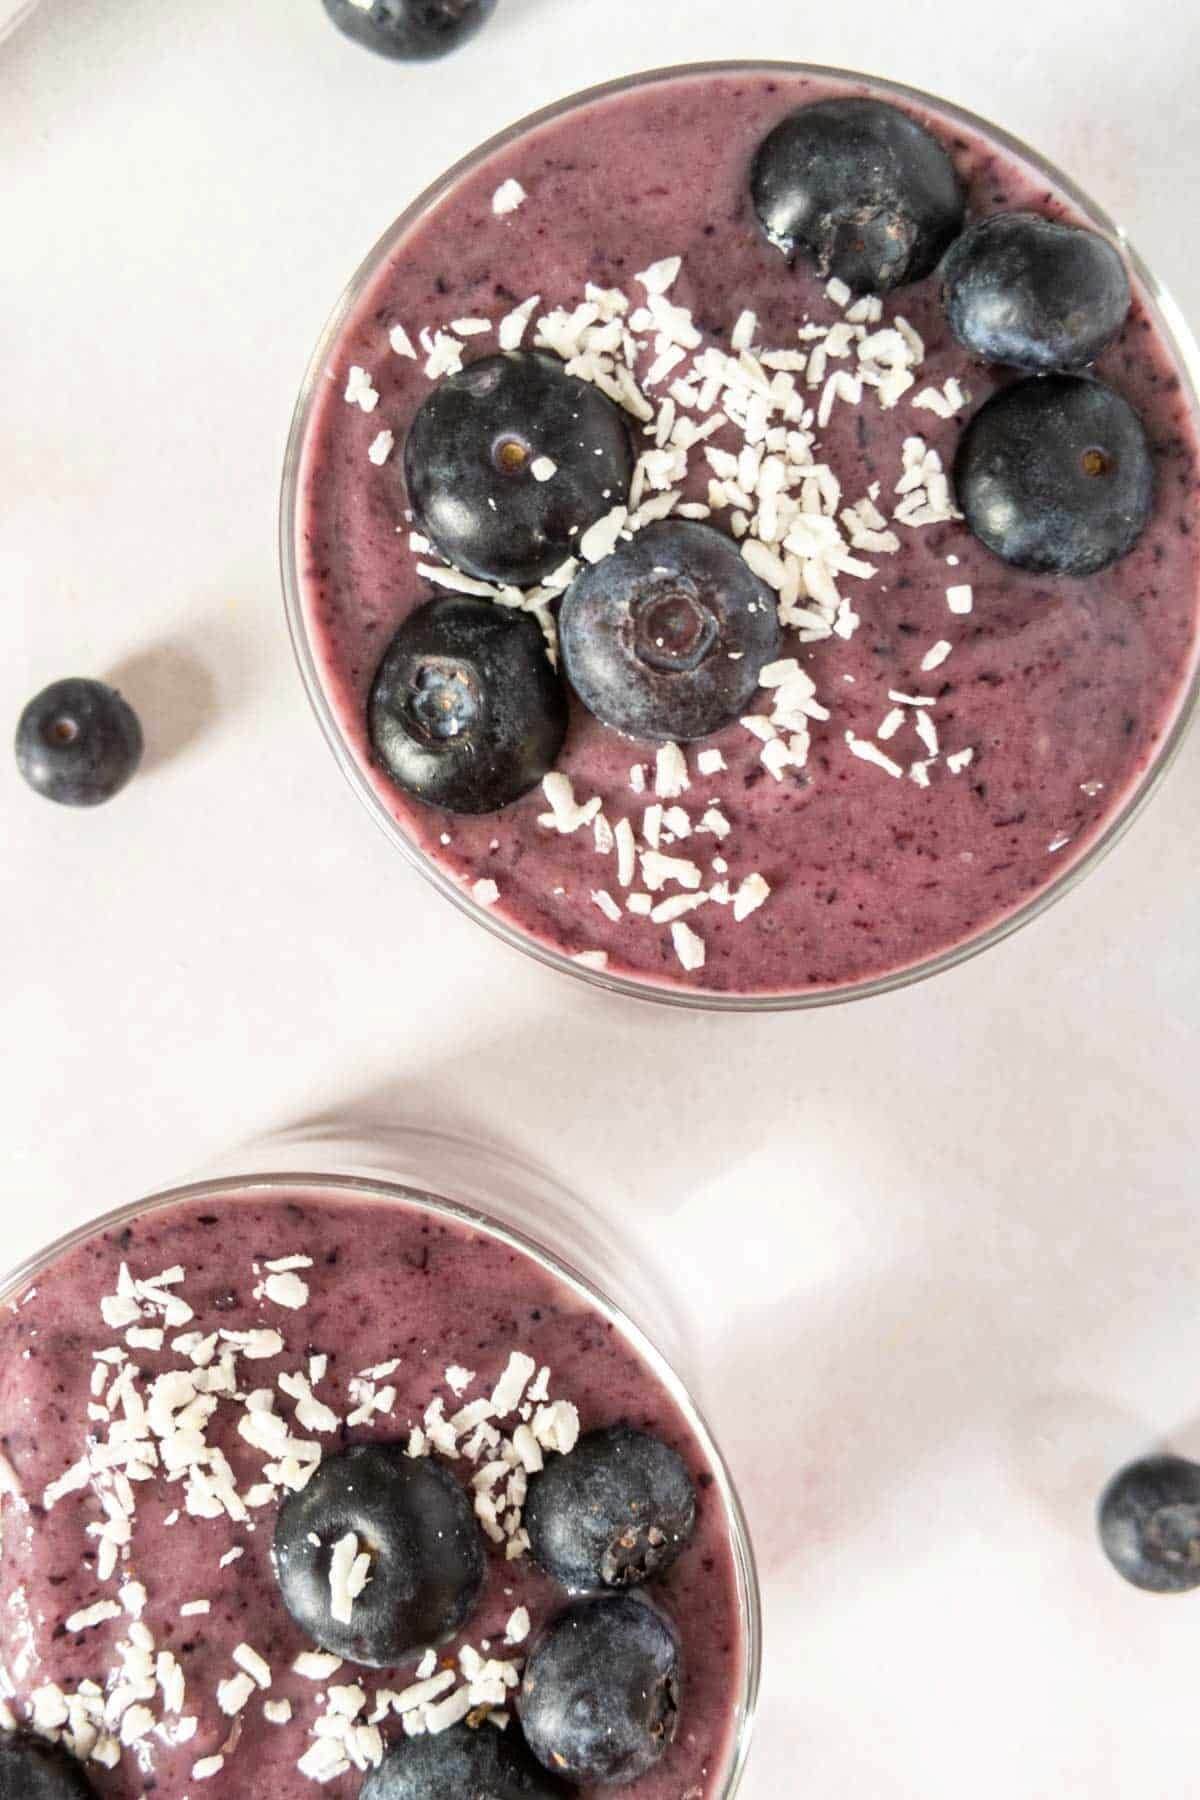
<point>932,1261</point>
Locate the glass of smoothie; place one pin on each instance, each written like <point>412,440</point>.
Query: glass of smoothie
<point>205,1396</point>
<point>739,535</point>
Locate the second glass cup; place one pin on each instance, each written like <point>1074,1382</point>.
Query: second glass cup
<point>289,1306</point>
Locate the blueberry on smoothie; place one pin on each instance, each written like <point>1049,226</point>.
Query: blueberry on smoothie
<point>424,1555</point>
<point>1149,1523</point>
<point>599,1699</point>
<point>1033,293</point>
<point>666,637</point>
<point>33,1769</point>
<point>1054,474</point>
<point>614,1512</point>
<point>78,742</point>
<point>861,189</point>
<point>508,462</point>
<point>496,1765</point>
<point>466,711</point>
<point>410,30</point>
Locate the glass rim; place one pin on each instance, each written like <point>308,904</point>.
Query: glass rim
<point>1187,356</point>
<point>393,1191</point>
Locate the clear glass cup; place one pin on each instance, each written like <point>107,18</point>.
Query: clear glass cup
<point>1174,330</point>
<point>12,14</point>
<point>515,1203</point>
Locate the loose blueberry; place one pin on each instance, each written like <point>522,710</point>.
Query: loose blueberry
<point>32,1769</point>
<point>479,447</point>
<point>414,1521</point>
<point>666,637</point>
<point>1033,293</point>
<point>615,1511</point>
<point>860,188</point>
<point>411,30</point>
<point>78,742</point>
<point>1149,1523</point>
<point>462,1763</point>
<point>466,711</point>
<point>1054,474</point>
<point>599,1699</point>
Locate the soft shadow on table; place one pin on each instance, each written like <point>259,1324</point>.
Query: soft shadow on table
<point>653,1158</point>
<point>183,685</point>
<point>393,1131</point>
<point>173,693</point>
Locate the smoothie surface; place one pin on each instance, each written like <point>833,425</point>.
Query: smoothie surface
<point>387,1283</point>
<point>1047,710</point>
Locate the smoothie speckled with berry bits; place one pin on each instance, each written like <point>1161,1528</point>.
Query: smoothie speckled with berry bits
<point>963,621</point>
<point>298,1487</point>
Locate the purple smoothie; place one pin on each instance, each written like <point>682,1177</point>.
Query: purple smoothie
<point>386,1281</point>
<point>1063,690</point>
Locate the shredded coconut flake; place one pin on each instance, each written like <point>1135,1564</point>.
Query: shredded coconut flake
<point>287,1290</point>
<point>661,277</point>
<point>600,539</point>
<point>513,326</point>
<point>360,390</point>
<point>508,197</point>
<point>688,947</point>
<point>670,772</point>
<point>866,751</point>
<point>342,1566</point>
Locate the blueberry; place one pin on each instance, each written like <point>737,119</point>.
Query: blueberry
<point>1054,474</point>
<point>1149,1523</point>
<point>480,443</point>
<point>33,1769</point>
<point>417,1525</point>
<point>462,1763</point>
<point>466,711</point>
<point>615,1511</point>
<point>1032,293</point>
<point>666,637</point>
<point>78,742</point>
<point>859,187</point>
<point>599,1699</point>
<point>411,30</point>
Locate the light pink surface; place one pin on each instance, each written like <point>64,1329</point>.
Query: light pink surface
<point>956,1227</point>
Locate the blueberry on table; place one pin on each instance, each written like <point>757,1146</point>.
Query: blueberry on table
<point>410,30</point>
<point>460,1764</point>
<point>508,462</point>
<point>1054,474</point>
<point>599,1699</point>
<point>415,1525</point>
<point>33,1769</point>
<point>1149,1523</point>
<point>466,711</point>
<point>666,637</point>
<point>78,742</point>
<point>1033,293</point>
<point>861,189</point>
<point>615,1511</point>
